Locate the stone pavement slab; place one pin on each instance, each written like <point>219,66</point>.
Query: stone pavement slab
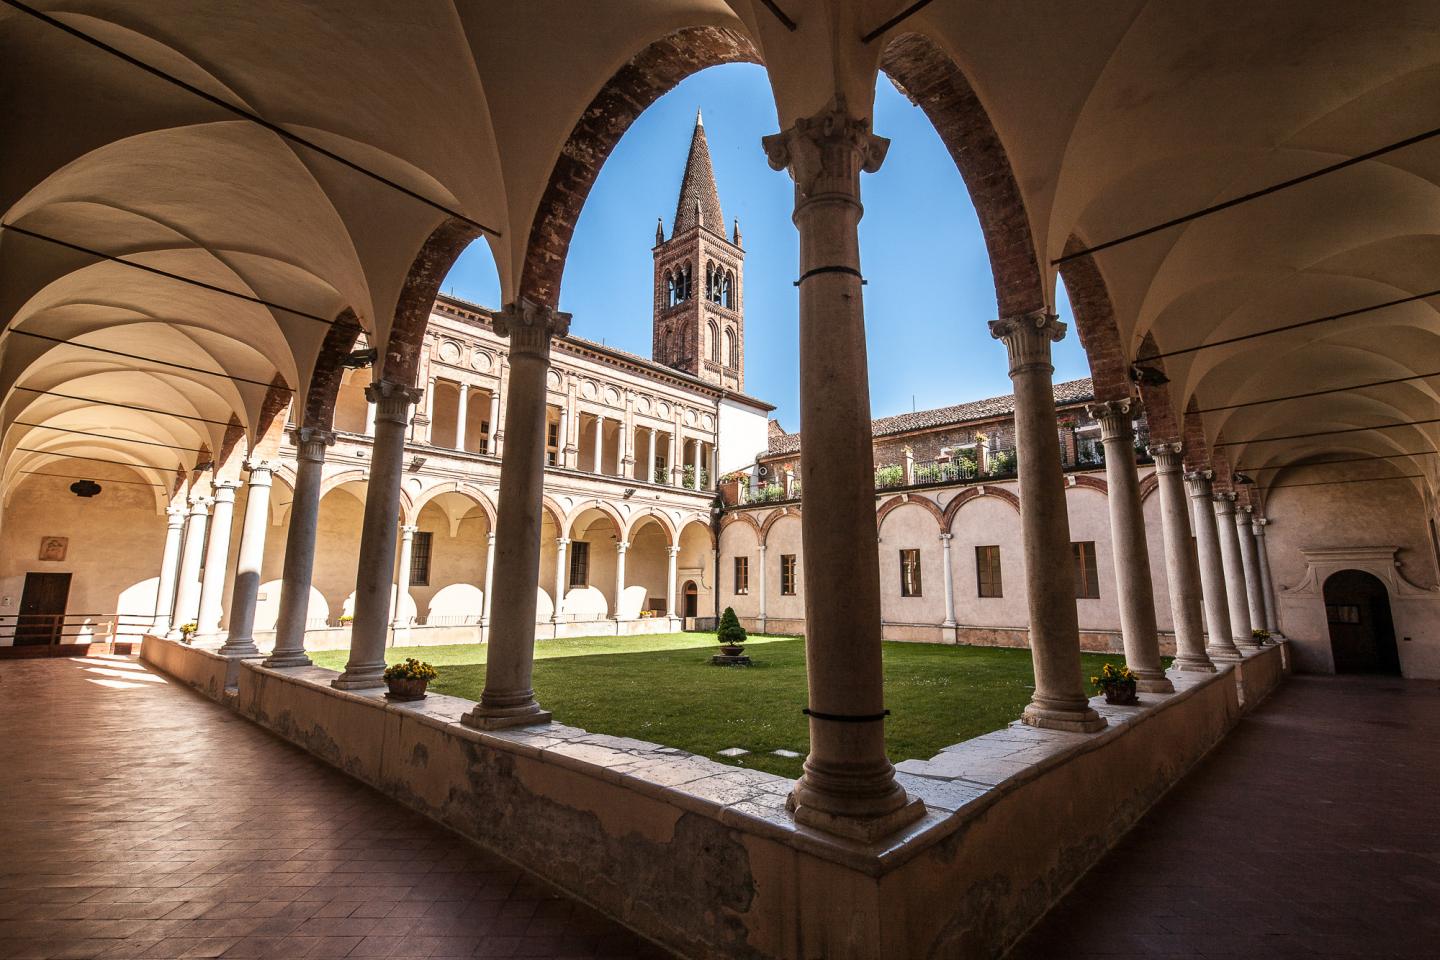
<point>142,821</point>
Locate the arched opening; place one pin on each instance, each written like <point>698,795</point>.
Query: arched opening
<point>1362,632</point>
<point>447,560</point>
<point>690,596</point>
<point>590,567</point>
<point>646,566</point>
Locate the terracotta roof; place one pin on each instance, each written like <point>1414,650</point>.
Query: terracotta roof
<point>1072,391</point>
<point>698,196</point>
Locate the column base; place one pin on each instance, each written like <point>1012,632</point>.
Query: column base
<point>239,649</point>
<point>1074,720</point>
<point>1193,665</point>
<point>1224,654</point>
<point>863,829</point>
<point>1152,681</point>
<point>287,660</point>
<point>369,678</point>
<point>480,719</point>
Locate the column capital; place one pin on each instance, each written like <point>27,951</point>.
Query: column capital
<point>1224,503</point>
<point>1027,338</point>
<point>1245,512</point>
<point>562,541</point>
<point>622,545</point>
<point>826,153</point>
<point>1116,417</point>
<point>1198,482</point>
<point>1167,456</point>
<point>490,539</point>
<point>530,327</point>
<point>408,529</point>
<point>312,441</point>
<point>261,472</point>
<point>945,538</point>
<point>200,505</point>
<point>175,515</point>
<point>392,400</point>
<point>1260,523</point>
<point>675,551</point>
<point>224,490</point>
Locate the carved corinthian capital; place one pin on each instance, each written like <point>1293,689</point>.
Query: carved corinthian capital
<point>1028,338</point>
<point>530,326</point>
<point>1167,456</point>
<point>1116,417</point>
<point>392,400</point>
<point>826,153</point>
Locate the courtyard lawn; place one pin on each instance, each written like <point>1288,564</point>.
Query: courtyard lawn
<point>662,688</point>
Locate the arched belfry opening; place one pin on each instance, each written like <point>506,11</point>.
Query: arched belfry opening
<point>1362,630</point>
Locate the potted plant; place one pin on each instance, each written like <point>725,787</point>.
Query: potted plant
<point>345,619</point>
<point>187,631</point>
<point>407,680</point>
<point>1117,683</point>
<point>731,635</point>
<point>1261,637</point>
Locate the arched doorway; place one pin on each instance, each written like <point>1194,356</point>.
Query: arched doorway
<point>691,593</point>
<point>1362,634</point>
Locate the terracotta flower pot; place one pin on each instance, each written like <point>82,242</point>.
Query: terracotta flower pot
<point>732,649</point>
<point>405,688</point>
<point>1121,693</point>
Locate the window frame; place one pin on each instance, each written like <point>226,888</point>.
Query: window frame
<point>911,578</point>
<point>1086,569</point>
<point>422,551</point>
<point>988,573</point>
<point>741,573</point>
<point>788,575</point>
<point>579,559</point>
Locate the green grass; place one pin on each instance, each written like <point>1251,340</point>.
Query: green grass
<point>663,688</point>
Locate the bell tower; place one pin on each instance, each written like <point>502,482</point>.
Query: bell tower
<point>699,324</point>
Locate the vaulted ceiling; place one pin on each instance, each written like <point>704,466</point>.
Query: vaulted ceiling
<point>1113,117</point>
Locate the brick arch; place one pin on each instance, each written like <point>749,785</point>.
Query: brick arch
<point>733,518</point>
<point>905,499</point>
<point>319,412</point>
<point>974,493</point>
<point>1159,408</point>
<point>400,360</point>
<point>1149,485</point>
<point>647,76</point>
<point>775,518</point>
<point>1196,449</point>
<point>1095,324</point>
<point>1088,482</point>
<point>935,83</point>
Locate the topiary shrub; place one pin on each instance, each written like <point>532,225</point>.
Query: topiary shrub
<point>730,633</point>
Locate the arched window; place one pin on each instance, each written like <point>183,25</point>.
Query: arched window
<point>728,290</point>
<point>714,342</point>
<point>732,349</point>
<point>683,282</point>
<point>669,289</point>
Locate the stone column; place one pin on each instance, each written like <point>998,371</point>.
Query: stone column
<point>1272,617</point>
<point>217,558</point>
<point>402,576</point>
<point>848,786</point>
<point>561,543</point>
<point>562,429</point>
<point>1250,561</point>
<point>620,548</point>
<point>762,618</point>
<point>948,570</point>
<point>1181,566</point>
<point>497,420</point>
<point>1218,642</point>
<point>671,577</point>
<point>169,570</point>
<point>599,443</point>
<point>627,438</point>
<point>489,575</point>
<point>1128,544</point>
<point>375,569</point>
<point>299,562</point>
<point>1234,566</point>
<point>647,464</point>
<point>462,413</point>
<point>672,461</point>
<point>697,463</point>
<point>187,589</point>
<point>1059,701</point>
<point>240,639</point>
<point>428,420</point>
<point>369,417</point>
<point>494,447</point>
<point>509,697</point>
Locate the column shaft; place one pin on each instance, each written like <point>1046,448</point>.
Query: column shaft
<point>187,589</point>
<point>217,558</point>
<point>299,564</point>
<point>1059,700</point>
<point>509,696</point>
<point>374,572</point>
<point>1272,613</point>
<point>402,576</point>
<point>672,585</point>
<point>240,640</point>
<point>948,570</point>
<point>620,550</point>
<point>169,570</point>
<point>462,413</point>
<point>489,574</point>
<point>560,570</point>
<point>599,444</point>
<point>1234,568</point>
<point>1182,568</point>
<point>1129,545</point>
<point>1219,643</point>
<point>762,589</point>
<point>1250,561</point>
<point>848,786</point>
<point>493,446</point>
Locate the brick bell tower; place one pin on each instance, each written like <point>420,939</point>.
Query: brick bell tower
<point>699,314</point>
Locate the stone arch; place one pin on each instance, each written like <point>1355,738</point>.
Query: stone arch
<point>973,493</point>
<point>557,516</point>
<point>600,506</point>
<point>672,535</point>
<point>712,331</point>
<point>647,76</point>
<point>730,519</point>
<point>1092,483</point>
<point>703,523</point>
<point>1095,324</point>
<point>904,499</point>
<point>467,490</point>
<point>335,481</point>
<point>400,361</point>
<point>775,518</point>
<point>1148,485</point>
<point>934,82</point>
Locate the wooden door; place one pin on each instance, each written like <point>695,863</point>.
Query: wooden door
<point>42,609</point>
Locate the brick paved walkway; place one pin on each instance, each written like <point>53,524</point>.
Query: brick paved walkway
<point>1314,831</point>
<point>140,820</point>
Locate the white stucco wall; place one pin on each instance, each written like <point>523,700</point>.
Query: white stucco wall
<point>743,434</point>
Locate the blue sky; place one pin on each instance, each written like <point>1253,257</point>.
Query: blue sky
<point>929,293</point>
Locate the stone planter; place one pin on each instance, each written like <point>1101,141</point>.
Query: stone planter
<point>732,649</point>
<point>406,689</point>
<point>1121,693</point>
<point>731,655</point>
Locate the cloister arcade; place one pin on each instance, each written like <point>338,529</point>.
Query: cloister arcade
<point>206,209</point>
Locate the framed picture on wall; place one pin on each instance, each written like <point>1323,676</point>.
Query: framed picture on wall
<point>54,548</point>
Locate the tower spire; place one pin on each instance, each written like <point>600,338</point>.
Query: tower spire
<point>699,200</point>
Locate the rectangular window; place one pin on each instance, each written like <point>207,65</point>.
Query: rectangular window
<point>552,443</point>
<point>1087,584</point>
<point>742,575</point>
<point>910,573</point>
<point>484,436</point>
<point>420,558</point>
<point>987,572</point>
<point>579,563</point>
<point>787,574</point>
